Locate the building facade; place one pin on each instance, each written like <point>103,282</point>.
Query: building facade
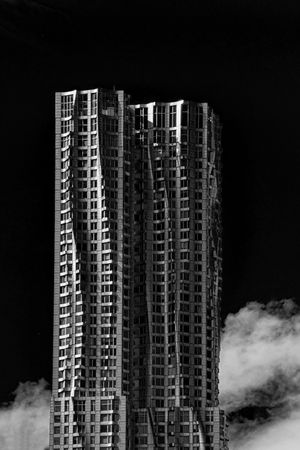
<point>138,275</point>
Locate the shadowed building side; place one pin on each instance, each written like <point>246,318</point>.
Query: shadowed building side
<point>176,337</point>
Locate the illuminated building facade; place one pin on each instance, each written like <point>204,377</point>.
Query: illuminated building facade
<point>138,275</point>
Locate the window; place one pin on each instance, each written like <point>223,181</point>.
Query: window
<point>94,103</point>
<point>93,124</point>
<point>65,141</point>
<point>184,135</point>
<point>184,115</point>
<point>82,174</point>
<point>82,163</point>
<point>141,118</point>
<point>172,138</point>
<point>199,137</point>
<point>199,117</point>
<point>66,105</point>
<point>94,215</point>
<point>66,126</point>
<point>83,104</point>
<point>110,124</point>
<point>82,125</point>
<point>173,116</point>
<point>82,153</point>
<point>83,140</point>
<point>57,406</point>
<point>184,428</point>
<point>159,116</point>
<point>106,405</point>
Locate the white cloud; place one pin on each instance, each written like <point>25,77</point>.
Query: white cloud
<point>260,367</point>
<point>24,424</point>
<point>278,434</point>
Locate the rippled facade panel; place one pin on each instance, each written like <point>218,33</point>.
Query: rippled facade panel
<point>138,276</point>
<point>176,333</point>
<point>93,280</point>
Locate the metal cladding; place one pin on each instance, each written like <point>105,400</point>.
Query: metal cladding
<point>138,275</point>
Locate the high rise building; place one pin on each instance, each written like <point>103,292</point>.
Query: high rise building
<point>137,275</point>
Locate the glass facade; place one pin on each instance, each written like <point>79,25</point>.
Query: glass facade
<point>137,275</point>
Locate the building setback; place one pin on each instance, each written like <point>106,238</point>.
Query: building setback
<point>138,275</point>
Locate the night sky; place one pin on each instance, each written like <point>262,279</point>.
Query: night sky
<point>242,57</point>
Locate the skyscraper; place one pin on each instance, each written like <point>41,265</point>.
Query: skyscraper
<point>137,275</point>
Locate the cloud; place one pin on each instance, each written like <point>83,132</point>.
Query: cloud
<point>277,434</point>
<point>260,376</point>
<point>24,424</point>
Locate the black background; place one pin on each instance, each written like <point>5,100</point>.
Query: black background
<point>240,56</point>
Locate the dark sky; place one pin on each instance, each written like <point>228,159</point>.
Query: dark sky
<point>240,56</point>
